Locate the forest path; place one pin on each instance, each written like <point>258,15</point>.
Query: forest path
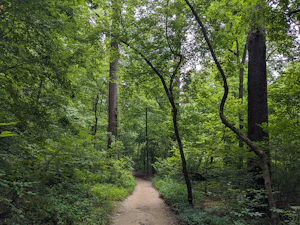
<point>143,207</point>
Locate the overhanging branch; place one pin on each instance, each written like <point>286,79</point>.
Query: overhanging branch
<point>150,64</point>
<point>289,14</point>
<point>253,147</point>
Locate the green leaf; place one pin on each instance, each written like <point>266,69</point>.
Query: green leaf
<point>7,124</point>
<point>7,134</point>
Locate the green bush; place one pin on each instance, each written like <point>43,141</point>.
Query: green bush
<point>175,195</point>
<point>173,192</point>
<point>169,167</point>
<point>72,185</point>
<point>192,216</point>
<point>108,192</point>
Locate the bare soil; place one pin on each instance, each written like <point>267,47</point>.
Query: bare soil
<point>143,207</point>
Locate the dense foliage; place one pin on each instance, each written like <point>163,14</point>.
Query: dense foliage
<point>55,167</point>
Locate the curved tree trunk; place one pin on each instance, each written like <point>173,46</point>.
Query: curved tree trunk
<point>183,161</point>
<point>261,154</point>
<point>169,93</point>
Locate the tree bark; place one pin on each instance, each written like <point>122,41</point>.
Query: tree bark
<point>113,76</point>
<point>257,86</point>
<point>257,100</point>
<point>183,161</point>
<point>113,96</point>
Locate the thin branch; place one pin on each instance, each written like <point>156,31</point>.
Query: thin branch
<point>235,53</point>
<point>242,69</point>
<point>95,114</point>
<point>237,50</point>
<point>174,73</point>
<point>271,53</point>
<point>173,52</point>
<point>245,52</point>
<point>289,14</point>
<point>150,64</point>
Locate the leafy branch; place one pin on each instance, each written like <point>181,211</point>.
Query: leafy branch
<point>225,85</point>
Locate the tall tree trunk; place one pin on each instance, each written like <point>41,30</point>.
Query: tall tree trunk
<point>113,76</point>
<point>258,110</point>
<point>257,86</point>
<point>257,98</point>
<point>113,95</point>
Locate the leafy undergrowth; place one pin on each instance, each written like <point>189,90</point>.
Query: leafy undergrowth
<point>174,194</point>
<point>78,190</point>
<point>233,207</point>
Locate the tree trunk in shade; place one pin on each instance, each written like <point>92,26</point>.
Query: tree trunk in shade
<point>257,86</point>
<point>113,96</point>
<point>257,97</point>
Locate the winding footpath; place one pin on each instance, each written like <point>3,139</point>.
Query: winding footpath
<point>143,207</point>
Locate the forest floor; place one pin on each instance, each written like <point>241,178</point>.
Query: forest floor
<point>143,207</point>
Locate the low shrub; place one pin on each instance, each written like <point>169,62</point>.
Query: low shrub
<point>109,192</point>
<point>64,190</point>
<point>175,195</point>
<point>173,192</point>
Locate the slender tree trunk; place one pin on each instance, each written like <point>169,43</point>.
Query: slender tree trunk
<point>241,82</point>
<point>241,93</point>
<point>170,95</point>
<point>95,127</point>
<point>96,116</point>
<point>147,144</point>
<point>183,161</point>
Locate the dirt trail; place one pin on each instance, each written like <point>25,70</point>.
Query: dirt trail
<point>143,207</point>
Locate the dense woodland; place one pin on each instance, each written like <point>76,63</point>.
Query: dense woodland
<point>201,95</point>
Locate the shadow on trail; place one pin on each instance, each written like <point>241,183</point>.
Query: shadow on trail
<point>138,174</point>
